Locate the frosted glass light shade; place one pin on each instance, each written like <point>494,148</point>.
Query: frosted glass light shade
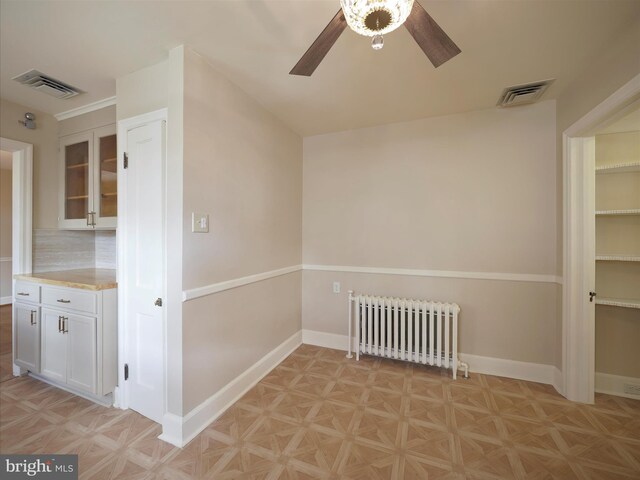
<point>375,17</point>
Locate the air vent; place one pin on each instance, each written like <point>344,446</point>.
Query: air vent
<point>46,84</point>
<point>523,94</point>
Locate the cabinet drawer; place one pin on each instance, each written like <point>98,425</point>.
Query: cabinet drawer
<point>27,292</point>
<point>70,299</point>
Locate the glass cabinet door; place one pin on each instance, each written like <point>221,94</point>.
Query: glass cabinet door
<point>106,181</point>
<point>77,191</point>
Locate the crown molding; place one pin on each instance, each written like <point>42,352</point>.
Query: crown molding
<point>91,107</point>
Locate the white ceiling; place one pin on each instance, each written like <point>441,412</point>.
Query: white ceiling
<point>255,43</point>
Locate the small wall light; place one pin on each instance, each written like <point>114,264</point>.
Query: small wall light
<point>29,121</point>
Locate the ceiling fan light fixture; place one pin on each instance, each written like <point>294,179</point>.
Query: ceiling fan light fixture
<point>375,17</point>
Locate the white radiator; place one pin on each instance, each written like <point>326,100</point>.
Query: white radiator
<point>418,331</point>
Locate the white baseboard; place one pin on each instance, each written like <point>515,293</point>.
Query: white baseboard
<point>614,385</point>
<point>6,300</point>
<point>533,372</point>
<point>327,340</point>
<point>181,430</point>
<point>558,381</point>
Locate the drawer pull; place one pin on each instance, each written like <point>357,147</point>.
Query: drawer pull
<point>23,294</point>
<point>33,312</point>
<point>62,300</point>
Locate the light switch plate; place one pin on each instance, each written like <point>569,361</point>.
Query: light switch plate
<point>336,287</point>
<point>199,222</point>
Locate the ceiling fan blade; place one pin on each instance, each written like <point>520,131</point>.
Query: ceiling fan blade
<point>320,47</point>
<point>427,33</point>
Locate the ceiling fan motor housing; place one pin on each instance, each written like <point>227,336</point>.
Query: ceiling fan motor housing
<point>375,17</point>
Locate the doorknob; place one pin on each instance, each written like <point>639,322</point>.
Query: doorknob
<point>158,302</point>
<point>591,295</point>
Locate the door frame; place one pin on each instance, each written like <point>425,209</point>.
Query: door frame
<point>22,213</point>
<point>578,320</point>
<point>121,394</point>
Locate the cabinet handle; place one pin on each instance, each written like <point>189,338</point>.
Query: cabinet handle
<point>88,219</point>
<point>59,323</point>
<point>65,327</point>
<point>33,312</point>
<point>93,218</point>
<point>22,294</point>
<point>62,300</point>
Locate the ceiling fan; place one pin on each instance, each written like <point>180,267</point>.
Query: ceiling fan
<point>374,18</point>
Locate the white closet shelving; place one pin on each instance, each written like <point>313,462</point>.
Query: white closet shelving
<point>617,226</point>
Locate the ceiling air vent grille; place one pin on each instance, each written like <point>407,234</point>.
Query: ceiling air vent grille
<point>523,94</point>
<point>46,84</point>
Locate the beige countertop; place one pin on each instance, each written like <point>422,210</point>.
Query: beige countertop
<point>87,278</point>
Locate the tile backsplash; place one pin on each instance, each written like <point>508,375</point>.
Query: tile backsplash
<point>105,249</point>
<point>71,249</point>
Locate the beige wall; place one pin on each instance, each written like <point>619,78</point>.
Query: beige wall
<point>243,167</point>
<point>142,91</point>
<point>45,158</point>
<point>5,230</point>
<point>469,192</point>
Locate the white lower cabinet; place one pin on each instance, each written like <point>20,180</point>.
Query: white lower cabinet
<point>69,349</point>
<point>81,352</point>
<point>70,338</point>
<point>27,336</point>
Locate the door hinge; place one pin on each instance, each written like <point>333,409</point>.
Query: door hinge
<point>126,371</point>
<point>126,160</point>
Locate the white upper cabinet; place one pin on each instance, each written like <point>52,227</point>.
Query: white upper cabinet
<point>88,181</point>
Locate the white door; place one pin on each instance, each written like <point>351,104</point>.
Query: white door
<point>54,346</point>
<point>81,352</point>
<point>143,268</point>
<point>27,325</point>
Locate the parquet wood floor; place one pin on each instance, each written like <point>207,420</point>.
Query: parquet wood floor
<point>319,415</point>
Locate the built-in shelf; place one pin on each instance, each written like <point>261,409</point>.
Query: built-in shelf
<point>619,168</point>
<point>78,197</point>
<point>109,160</point>
<point>77,165</point>
<point>105,195</point>
<point>618,302</point>
<point>617,258</point>
<point>630,211</point>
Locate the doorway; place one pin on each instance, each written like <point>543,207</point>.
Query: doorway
<point>20,156</point>
<point>579,240</point>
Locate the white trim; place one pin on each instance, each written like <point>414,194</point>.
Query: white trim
<point>600,115</point>
<point>91,107</point>
<point>258,277</point>
<point>5,259</point>
<point>558,381</point>
<point>532,372</point>
<point>6,300</point>
<point>181,430</point>
<point>511,277</point>
<point>614,385</point>
<point>22,216</point>
<point>578,325</point>
<point>236,282</point>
